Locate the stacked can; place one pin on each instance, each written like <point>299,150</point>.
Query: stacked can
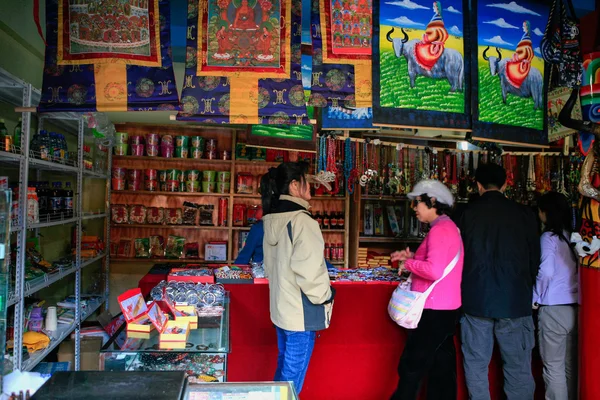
<point>197,149</point>
<point>167,148</point>
<point>182,144</point>
<point>151,182</point>
<point>135,179</point>
<point>223,211</point>
<point>192,181</point>
<point>121,144</point>
<point>173,181</point>
<point>209,181</point>
<point>136,142</point>
<point>119,175</point>
<point>223,181</point>
<point>152,144</point>
<point>211,149</point>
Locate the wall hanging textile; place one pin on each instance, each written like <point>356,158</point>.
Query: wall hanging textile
<point>301,137</point>
<point>109,55</point>
<point>556,101</point>
<point>341,33</point>
<point>243,63</point>
<point>342,117</point>
<point>509,101</point>
<point>420,73</point>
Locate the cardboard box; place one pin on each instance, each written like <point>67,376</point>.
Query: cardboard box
<point>216,251</point>
<point>175,331</point>
<point>90,353</point>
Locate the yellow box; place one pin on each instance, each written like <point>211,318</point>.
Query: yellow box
<point>171,345</point>
<point>175,331</point>
<point>137,335</point>
<point>141,324</point>
<point>190,315</point>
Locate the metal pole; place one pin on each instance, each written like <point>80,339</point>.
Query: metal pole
<point>22,235</point>
<point>107,238</point>
<point>78,313</point>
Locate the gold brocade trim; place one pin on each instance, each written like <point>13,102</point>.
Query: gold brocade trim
<point>363,78</point>
<point>111,86</point>
<point>285,44</point>
<point>105,60</point>
<point>243,103</point>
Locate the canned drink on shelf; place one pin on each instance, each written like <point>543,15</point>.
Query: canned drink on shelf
<point>120,149</point>
<point>192,186</point>
<point>137,150</point>
<point>209,176</point>
<point>172,186</point>
<point>197,141</point>
<point>151,186</point>
<point>121,138</point>
<point>224,176</point>
<point>153,139</point>
<point>181,152</point>
<point>208,187</point>
<point>182,186</point>
<point>174,174</point>
<point>196,152</point>
<point>151,174</point>
<point>223,187</point>
<point>182,141</point>
<point>225,155</point>
<point>118,184</point>
<point>136,139</point>
<point>134,185</point>
<point>163,186</point>
<point>192,175</point>
<point>327,253</point>
<point>167,151</point>
<point>223,211</point>
<point>135,174</point>
<point>162,175</point>
<point>167,140</point>
<point>211,149</point>
<point>152,150</point>
<point>119,173</point>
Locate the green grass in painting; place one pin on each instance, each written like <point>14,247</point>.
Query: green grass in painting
<point>427,95</point>
<point>517,111</point>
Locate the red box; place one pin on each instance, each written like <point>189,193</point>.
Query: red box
<point>195,279</point>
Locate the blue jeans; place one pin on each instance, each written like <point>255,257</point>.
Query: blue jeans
<point>295,349</point>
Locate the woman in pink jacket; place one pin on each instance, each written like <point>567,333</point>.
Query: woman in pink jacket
<point>429,349</point>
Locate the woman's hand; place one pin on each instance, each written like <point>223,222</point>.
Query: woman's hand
<point>402,255</point>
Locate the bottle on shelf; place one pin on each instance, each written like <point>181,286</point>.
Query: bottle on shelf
<point>43,147</point>
<point>17,134</point>
<point>56,200</point>
<point>43,195</point>
<point>68,200</point>
<point>33,214</point>
<point>333,220</point>
<point>340,252</point>
<point>5,137</point>
<point>319,219</point>
<point>63,147</point>
<point>327,254</point>
<point>341,221</point>
<point>326,220</point>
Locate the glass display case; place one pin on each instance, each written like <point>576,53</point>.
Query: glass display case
<point>242,391</point>
<point>204,358</point>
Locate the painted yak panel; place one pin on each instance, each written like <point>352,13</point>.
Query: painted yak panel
<point>509,72</point>
<point>421,76</point>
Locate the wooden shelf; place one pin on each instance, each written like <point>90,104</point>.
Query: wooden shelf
<point>199,162</point>
<point>153,226</point>
<point>384,198</point>
<point>383,239</point>
<point>167,260</point>
<point>148,193</point>
<point>241,228</point>
<point>333,230</point>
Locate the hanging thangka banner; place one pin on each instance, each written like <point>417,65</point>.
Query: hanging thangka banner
<point>110,55</point>
<point>420,73</point>
<point>243,63</point>
<point>508,71</point>
<point>341,33</point>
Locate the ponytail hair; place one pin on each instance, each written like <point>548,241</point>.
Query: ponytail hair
<point>277,182</point>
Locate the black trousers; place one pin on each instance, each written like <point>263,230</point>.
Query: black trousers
<point>429,352</point>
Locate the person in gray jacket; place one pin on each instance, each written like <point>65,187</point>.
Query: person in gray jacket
<point>301,296</point>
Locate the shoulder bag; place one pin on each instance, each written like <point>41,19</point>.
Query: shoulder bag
<point>406,306</point>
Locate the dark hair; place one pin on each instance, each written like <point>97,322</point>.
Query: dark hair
<point>277,182</point>
<point>558,213</point>
<point>490,176</point>
<point>440,208</point>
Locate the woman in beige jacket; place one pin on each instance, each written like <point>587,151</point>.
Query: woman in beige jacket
<point>301,296</point>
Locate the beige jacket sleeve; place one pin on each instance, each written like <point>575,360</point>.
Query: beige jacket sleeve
<point>307,261</point>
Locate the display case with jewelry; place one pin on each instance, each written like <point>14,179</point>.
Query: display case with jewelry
<point>242,391</point>
<point>203,352</point>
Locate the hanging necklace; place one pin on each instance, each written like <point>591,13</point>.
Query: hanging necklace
<point>454,182</point>
<point>322,154</point>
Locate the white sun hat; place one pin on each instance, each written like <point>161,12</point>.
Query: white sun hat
<point>432,188</point>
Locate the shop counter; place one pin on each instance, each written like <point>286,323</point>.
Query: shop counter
<point>355,359</point>
<point>242,391</point>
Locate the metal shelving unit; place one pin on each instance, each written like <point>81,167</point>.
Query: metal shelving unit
<point>21,94</point>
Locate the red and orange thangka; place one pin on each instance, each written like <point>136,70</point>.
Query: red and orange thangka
<point>518,68</point>
<point>431,48</point>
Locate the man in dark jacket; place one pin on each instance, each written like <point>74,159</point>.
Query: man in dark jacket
<point>502,257</point>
